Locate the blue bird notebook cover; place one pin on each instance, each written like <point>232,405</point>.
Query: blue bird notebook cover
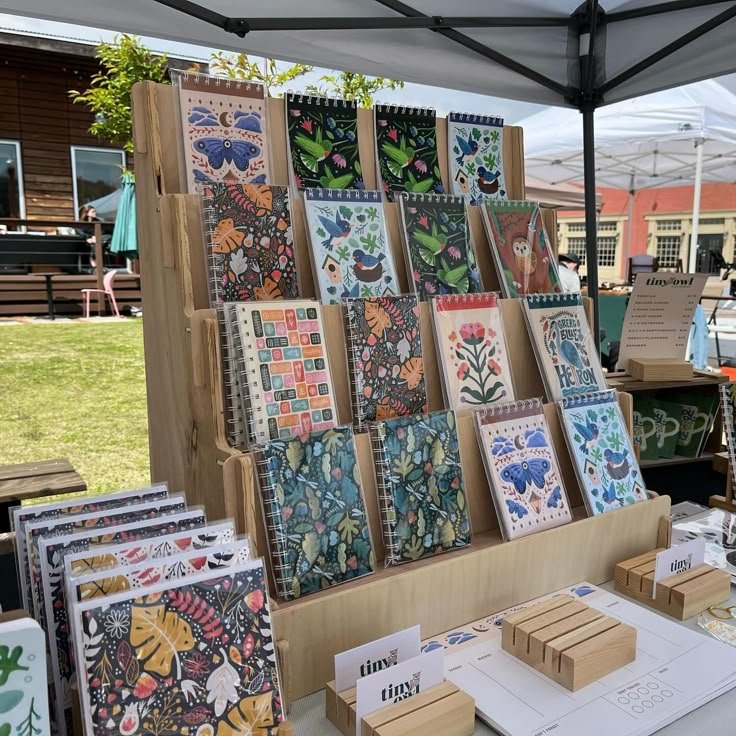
<point>602,451</point>
<point>522,469</point>
<point>350,250</point>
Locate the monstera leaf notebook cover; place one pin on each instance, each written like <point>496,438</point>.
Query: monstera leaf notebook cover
<point>520,247</point>
<point>314,512</point>
<point>522,468</point>
<point>194,654</point>
<point>385,360</point>
<point>351,255</point>
<point>602,451</point>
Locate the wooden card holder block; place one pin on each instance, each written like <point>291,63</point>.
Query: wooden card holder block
<point>660,369</point>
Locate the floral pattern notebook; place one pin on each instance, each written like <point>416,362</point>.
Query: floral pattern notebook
<point>476,156</point>
<point>521,249</point>
<point>194,655</point>
<point>350,251</point>
<point>385,359</point>
<point>250,243</point>
<point>406,150</point>
<point>522,469</point>
<point>323,142</point>
<point>602,451</point>
<point>315,513</point>
<point>440,258</point>
<point>472,351</point>
<point>421,493</point>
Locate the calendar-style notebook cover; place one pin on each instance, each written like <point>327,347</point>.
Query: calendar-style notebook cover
<point>406,150</point>
<point>323,142</point>
<point>602,451</point>
<point>440,258</point>
<point>476,156</point>
<point>284,371</point>
<point>314,512</point>
<point>521,249</point>
<point>235,418</point>
<point>385,360</point>
<point>223,128</point>
<point>424,508</point>
<point>522,469</point>
<point>563,344</point>
<point>351,255</point>
<point>472,351</point>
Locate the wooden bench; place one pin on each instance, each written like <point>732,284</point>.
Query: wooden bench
<point>45,478</point>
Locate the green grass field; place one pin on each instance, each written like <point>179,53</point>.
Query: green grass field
<point>76,390</point>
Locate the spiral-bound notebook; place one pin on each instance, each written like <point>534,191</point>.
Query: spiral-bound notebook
<point>522,469</point>
<point>235,418</point>
<point>323,142</point>
<point>351,255</point>
<point>406,150</point>
<point>728,407</point>
<point>223,130</point>
<point>385,363</point>
<point>472,351</point>
<point>440,257</point>
<point>284,369</point>
<point>562,341</point>
<point>602,452</point>
<point>475,156</point>
<point>525,262</point>
<point>419,479</point>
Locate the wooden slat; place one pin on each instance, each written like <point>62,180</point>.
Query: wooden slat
<point>17,489</point>
<point>42,467</point>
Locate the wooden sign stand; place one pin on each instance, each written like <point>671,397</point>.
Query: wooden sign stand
<point>660,369</point>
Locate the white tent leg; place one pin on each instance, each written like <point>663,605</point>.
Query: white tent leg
<point>693,253</point>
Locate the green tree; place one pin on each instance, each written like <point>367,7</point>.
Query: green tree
<point>352,86</point>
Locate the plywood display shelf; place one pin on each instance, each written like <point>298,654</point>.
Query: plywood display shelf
<point>625,382</point>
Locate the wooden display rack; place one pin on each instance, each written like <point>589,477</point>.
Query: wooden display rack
<point>660,369</point>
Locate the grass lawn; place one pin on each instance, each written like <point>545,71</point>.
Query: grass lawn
<point>76,390</point>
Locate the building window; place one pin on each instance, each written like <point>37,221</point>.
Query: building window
<point>713,221</point>
<point>577,246</point>
<point>576,227</point>
<point>608,227</point>
<point>12,201</point>
<point>668,250</point>
<point>96,173</point>
<point>607,251</point>
<point>670,225</point>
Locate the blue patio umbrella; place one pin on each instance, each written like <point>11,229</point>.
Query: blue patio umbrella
<point>125,234</point>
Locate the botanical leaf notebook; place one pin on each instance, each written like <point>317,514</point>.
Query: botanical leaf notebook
<point>420,486</point>
<point>224,130</point>
<point>472,351</point>
<point>566,354</point>
<point>476,156</point>
<point>406,150</point>
<point>521,465</point>
<point>191,656</point>
<point>351,255</point>
<point>521,248</point>
<point>323,142</point>
<point>249,241</point>
<point>385,361</point>
<point>314,511</point>
<point>440,258</point>
<point>602,452</point>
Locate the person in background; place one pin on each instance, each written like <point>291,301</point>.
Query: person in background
<point>569,276</point>
<point>87,213</point>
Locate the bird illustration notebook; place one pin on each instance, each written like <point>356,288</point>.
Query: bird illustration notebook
<point>351,255</point>
<point>476,156</point>
<point>440,257</point>
<point>249,242</point>
<point>323,142</point>
<point>421,494</point>
<point>190,656</point>
<point>472,351</point>
<point>385,362</point>
<point>223,130</point>
<point>563,344</point>
<point>406,150</point>
<point>522,469</point>
<point>521,249</point>
<point>601,451</point>
<point>284,370</point>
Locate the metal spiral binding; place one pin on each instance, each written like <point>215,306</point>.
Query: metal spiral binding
<point>377,432</point>
<point>356,379</point>
<point>235,421</point>
<point>208,79</point>
<point>389,107</point>
<point>326,100</point>
<point>210,222</point>
<point>513,407</point>
<point>569,402</point>
<point>547,298</point>
<point>474,119</point>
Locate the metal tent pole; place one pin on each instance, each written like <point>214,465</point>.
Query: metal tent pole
<point>693,251</point>
<point>591,220</point>
<point>629,224</point>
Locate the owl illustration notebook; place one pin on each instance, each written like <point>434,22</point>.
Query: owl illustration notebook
<point>563,344</point>
<point>424,508</point>
<point>520,247</point>
<point>440,257</point>
<point>522,469</point>
<point>472,351</point>
<point>314,512</point>
<point>323,142</point>
<point>476,156</point>
<point>351,255</point>
<point>223,130</point>
<point>385,361</point>
<point>602,452</point>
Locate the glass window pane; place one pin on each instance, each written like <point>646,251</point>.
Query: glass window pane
<point>97,172</point>
<point>10,184</point>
